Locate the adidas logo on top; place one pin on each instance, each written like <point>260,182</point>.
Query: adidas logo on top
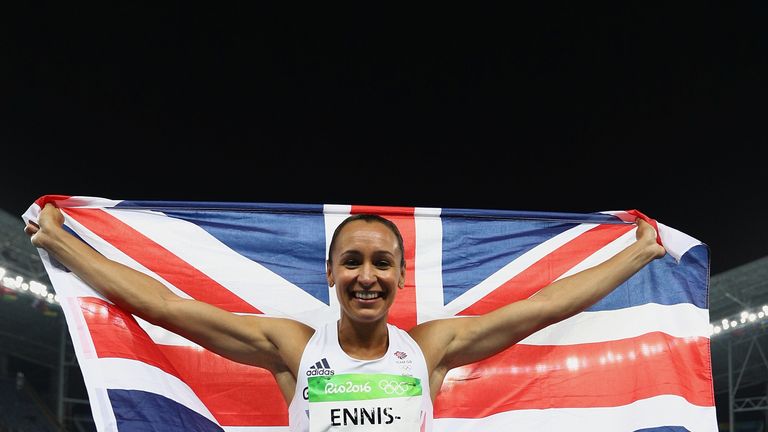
<point>320,368</point>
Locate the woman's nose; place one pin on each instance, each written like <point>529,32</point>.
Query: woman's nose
<point>367,275</point>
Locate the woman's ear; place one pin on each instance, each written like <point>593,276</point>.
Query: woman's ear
<point>328,275</point>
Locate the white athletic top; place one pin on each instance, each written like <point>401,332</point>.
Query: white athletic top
<point>335,392</point>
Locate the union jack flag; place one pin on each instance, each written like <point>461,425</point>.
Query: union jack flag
<point>637,360</point>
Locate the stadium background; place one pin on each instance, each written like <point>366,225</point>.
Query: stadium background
<point>547,107</point>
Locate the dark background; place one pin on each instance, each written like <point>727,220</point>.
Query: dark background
<point>552,107</point>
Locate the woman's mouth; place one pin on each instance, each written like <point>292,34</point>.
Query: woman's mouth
<point>367,295</point>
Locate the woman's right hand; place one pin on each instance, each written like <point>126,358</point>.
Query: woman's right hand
<point>50,216</point>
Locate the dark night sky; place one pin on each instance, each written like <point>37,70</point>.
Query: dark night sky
<point>553,107</point>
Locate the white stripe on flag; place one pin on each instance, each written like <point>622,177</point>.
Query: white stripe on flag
<point>333,215</point>
<point>682,320</point>
<point>428,274</point>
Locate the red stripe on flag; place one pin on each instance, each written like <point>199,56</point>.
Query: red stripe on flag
<point>236,394</point>
<point>159,259</point>
<point>546,270</point>
<point>403,311</point>
<point>45,199</point>
<point>603,374</point>
<point>116,333</point>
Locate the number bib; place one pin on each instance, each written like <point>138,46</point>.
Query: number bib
<point>364,402</point>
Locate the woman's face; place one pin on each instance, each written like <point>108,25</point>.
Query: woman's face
<point>366,270</point>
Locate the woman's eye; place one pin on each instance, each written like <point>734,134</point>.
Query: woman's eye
<point>383,264</point>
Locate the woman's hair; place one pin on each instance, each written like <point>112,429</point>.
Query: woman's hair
<point>370,217</point>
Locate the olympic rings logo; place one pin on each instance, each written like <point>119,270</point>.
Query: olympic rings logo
<point>398,388</point>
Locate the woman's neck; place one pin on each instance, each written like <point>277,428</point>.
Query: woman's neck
<point>363,341</point>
